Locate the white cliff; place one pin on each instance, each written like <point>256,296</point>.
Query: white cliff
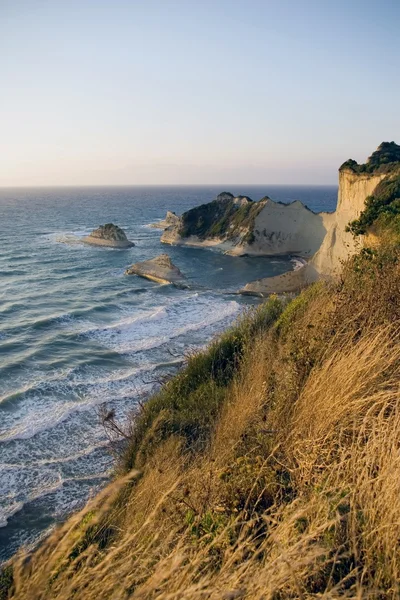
<point>337,244</point>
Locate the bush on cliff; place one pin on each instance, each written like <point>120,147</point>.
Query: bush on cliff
<point>385,159</point>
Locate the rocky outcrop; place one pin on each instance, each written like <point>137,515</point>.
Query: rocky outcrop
<point>170,220</point>
<point>160,269</point>
<point>239,226</point>
<point>108,235</point>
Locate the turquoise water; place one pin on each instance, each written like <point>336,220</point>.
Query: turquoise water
<point>75,333</point>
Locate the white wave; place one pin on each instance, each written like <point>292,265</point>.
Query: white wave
<point>44,409</point>
<point>57,460</point>
<point>151,225</point>
<point>9,511</point>
<point>44,401</point>
<point>36,420</point>
<point>298,262</point>
<point>23,486</point>
<point>159,326</point>
<point>51,442</point>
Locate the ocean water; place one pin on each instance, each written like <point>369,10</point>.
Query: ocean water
<point>76,334</point>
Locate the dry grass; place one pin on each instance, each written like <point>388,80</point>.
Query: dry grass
<point>296,494</point>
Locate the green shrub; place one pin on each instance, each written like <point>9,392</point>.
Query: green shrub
<point>220,218</point>
<point>297,307</point>
<point>382,206</point>
<point>385,159</point>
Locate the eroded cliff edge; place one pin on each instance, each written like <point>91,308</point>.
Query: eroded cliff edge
<point>337,244</point>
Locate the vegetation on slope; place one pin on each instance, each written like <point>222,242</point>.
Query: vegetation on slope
<point>221,218</point>
<point>382,208</point>
<point>267,469</point>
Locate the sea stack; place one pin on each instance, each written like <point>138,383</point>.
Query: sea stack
<point>160,269</point>
<point>108,235</point>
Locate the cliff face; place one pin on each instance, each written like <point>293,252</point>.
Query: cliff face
<point>288,229</point>
<point>338,244</point>
<point>170,220</point>
<point>227,222</point>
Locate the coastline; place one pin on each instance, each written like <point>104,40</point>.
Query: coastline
<point>98,316</point>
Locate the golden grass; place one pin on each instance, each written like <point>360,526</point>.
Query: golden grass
<point>296,495</point>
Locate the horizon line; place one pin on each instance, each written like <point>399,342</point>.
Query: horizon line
<point>128,185</point>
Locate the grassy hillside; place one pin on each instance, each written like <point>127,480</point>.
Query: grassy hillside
<point>269,468</point>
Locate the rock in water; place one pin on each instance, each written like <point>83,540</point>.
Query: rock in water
<point>109,235</point>
<point>160,269</point>
<point>170,220</point>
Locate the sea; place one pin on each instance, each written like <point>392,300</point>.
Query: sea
<point>77,336</point>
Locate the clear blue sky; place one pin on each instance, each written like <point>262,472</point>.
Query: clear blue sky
<point>191,91</point>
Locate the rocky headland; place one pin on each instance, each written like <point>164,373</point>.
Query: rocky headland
<point>160,269</point>
<point>239,226</point>
<point>366,199</point>
<point>108,235</point>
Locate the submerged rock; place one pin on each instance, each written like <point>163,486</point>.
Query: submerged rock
<point>108,235</point>
<point>160,269</point>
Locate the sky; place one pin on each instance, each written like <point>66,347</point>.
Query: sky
<point>119,92</point>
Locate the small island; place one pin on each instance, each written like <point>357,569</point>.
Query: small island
<point>108,235</point>
<point>160,269</point>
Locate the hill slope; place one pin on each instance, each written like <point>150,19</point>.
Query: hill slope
<point>268,468</point>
